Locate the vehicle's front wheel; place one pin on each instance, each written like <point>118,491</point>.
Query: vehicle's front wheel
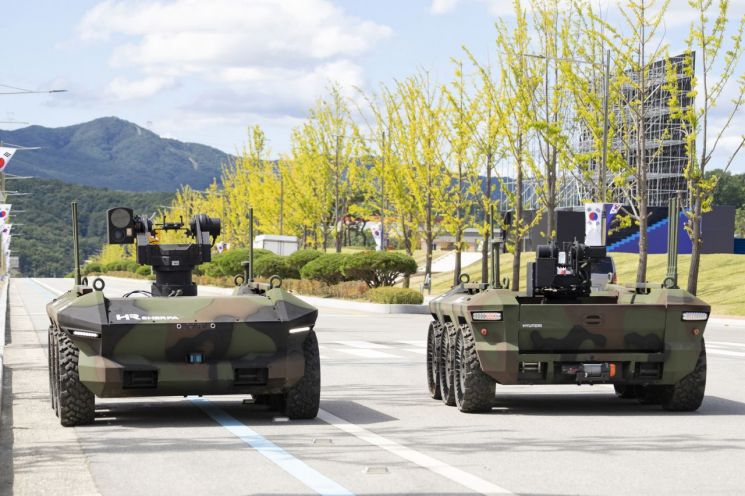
<point>303,399</point>
<point>688,394</point>
<point>447,345</point>
<point>474,390</point>
<point>434,339</point>
<point>75,402</point>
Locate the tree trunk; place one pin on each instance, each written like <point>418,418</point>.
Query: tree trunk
<point>517,219</point>
<point>407,246</point>
<point>487,230</point>
<point>429,236</point>
<point>695,245</point>
<point>551,196</point>
<point>457,268</point>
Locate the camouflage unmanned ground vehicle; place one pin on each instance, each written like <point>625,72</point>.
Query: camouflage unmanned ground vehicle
<point>647,341</point>
<point>171,341</point>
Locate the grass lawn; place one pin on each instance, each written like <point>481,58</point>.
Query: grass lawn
<point>721,276</point>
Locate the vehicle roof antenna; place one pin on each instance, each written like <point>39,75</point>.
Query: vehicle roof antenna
<point>76,243</point>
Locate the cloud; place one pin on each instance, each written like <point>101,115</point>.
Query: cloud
<point>122,89</point>
<point>443,6</point>
<point>285,51</point>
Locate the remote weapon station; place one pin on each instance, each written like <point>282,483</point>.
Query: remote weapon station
<point>172,341</point>
<point>646,340</point>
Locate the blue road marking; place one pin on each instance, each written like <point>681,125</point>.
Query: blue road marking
<point>284,460</point>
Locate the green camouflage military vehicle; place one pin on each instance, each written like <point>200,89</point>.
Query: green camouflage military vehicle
<point>646,340</point>
<point>171,341</point>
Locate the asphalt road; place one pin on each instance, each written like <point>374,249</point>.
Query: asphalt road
<point>378,432</point>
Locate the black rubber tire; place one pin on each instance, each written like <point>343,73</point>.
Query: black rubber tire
<point>303,399</point>
<point>51,366</point>
<point>474,390</point>
<point>688,394</point>
<point>625,391</point>
<point>76,402</point>
<point>447,392</point>
<point>55,370</point>
<point>434,338</point>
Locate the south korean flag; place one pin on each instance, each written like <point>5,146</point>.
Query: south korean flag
<point>4,212</point>
<point>594,235</point>
<point>5,155</point>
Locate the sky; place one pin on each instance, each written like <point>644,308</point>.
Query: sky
<point>204,71</point>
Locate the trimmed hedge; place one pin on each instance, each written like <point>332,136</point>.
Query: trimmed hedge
<point>92,267</point>
<point>395,296</point>
<point>301,258</point>
<point>270,265</point>
<point>326,268</point>
<point>228,264</point>
<point>378,268</point>
<point>143,270</point>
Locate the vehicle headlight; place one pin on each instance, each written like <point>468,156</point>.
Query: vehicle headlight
<point>486,315</point>
<point>695,316</point>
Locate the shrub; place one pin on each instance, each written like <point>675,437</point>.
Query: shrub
<point>395,296</point>
<point>270,265</point>
<point>308,287</point>
<point>91,268</point>
<point>326,268</point>
<point>378,268</point>
<point>228,264</point>
<point>115,266</point>
<point>300,258</point>
<point>131,266</point>
<point>348,290</point>
<point>143,270</point>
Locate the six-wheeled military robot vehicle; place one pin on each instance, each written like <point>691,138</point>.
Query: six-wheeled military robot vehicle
<point>172,341</point>
<point>646,340</point>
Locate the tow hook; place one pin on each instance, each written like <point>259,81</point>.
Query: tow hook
<point>590,372</point>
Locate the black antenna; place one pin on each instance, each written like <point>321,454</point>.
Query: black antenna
<point>251,244</point>
<point>76,243</point>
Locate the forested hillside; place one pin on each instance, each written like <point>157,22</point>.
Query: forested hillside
<point>42,230</point>
<point>113,153</point>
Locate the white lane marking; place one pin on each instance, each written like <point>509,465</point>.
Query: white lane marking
<point>725,344</point>
<point>432,464</point>
<point>284,460</point>
<point>415,342</point>
<point>725,353</point>
<point>366,353</point>
<point>365,345</point>
<point>48,288</point>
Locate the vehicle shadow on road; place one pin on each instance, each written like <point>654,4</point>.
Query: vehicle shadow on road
<point>603,405</point>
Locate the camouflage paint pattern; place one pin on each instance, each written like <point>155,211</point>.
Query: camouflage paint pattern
<point>618,325</point>
<point>243,331</point>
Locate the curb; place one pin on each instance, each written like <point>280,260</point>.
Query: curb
<point>364,306</point>
<point>318,301</point>
<point>3,318</point>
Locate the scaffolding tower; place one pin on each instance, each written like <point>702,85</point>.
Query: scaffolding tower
<point>664,136</point>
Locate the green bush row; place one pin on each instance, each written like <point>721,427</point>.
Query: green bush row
<point>395,296</point>
<point>376,268</point>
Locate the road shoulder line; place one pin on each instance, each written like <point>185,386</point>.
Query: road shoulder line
<point>277,455</point>
<point>425,461</point>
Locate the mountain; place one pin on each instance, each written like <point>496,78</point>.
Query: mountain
<point>113,153</point>
<point>42,227</point>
